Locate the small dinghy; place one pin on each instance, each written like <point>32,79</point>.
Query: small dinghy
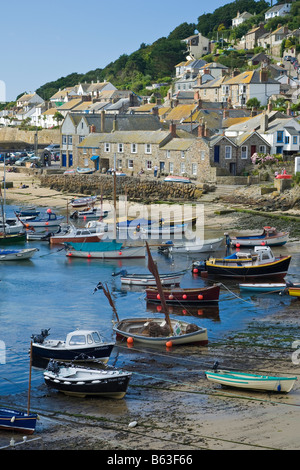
<point>17,255</point>
<point>264,383</point>
<point>266,287</point>
<point>20,421</point>
<point>82,381</point>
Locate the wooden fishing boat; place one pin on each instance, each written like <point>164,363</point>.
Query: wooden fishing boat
<point>149,279</point>
<point>79,346</point>
<point>85,171</point>
<point>17,255</point>
<point>264,383</point>
<point>177,295</point>
<point>104,250</point>
<point>15,420</point>
<point>177,179</point>
<point>83,201</point>
<point>266,287</point>
<point>195,246</point>
<point>76,235</point>
<point>253,265</point>
<point>269,236</point>
<point>82,381</point>
<point>155,331</point>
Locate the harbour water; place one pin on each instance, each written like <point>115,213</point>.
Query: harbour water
<point>54,291</point>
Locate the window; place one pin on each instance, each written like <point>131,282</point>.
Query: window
<point>194,168</point>
<point>84,151</point>
<point>64,140</point>
<point>171,168</point>
<point>148,165</point>
<point>147,148</point>
<point>295,140</point>
<point>130,164</point>
<point>287,139</point>
<point>279,136</point>
<point>70,140</point>
<point>225,89</point>
<point>133,148</point>
<point>168,153</point>
<point>106,147</point>
<point>202,153</point>
<point>119,163</point>
<point>182,167</point>
<point>120,148</point>
<point>182,154</point>
<point>244,152</point>
<point>81,138</point>
<point>262,149</point>
<point>228,151</point>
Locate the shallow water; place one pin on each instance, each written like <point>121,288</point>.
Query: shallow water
<point>54,291</point>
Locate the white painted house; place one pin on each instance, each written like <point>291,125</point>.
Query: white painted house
<point>278,10</point>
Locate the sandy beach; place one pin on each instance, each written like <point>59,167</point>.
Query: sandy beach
<point>172,405</point>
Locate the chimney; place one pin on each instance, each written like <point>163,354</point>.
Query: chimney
<point>270,107</point>
<point>102,121</point>
<point>263,75</point>
<point>155,110</point>
<point>253,111</point>
<point>201,129</point>
<point>225,113</point>
<point>173,129</point>
<point>92,128</point>
<point>264,122</point>
<point>115,124</point>
<point>289,111</point>
<point>196,95</point>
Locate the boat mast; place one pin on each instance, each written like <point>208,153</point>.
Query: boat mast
<point>153,270</point>
<point>29,384</point>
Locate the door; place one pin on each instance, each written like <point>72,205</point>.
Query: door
<point>232,168</point>
<point>217,153</point>
<point>253,149</point>
<point>70,159</point>
<point>161,166</point>
<point>64,160</point>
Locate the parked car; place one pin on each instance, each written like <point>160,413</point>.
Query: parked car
<point>53,148</point>
<point>21,161</point>
<point>11,160</point>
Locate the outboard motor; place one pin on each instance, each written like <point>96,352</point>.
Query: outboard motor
<point>53,366</point>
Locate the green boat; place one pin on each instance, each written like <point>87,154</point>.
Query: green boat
<point>8,239</point>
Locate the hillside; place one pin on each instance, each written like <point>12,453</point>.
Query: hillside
<point>155,62</point>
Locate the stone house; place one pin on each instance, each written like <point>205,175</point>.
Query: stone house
<point>197,45</point>
<point>253,35</point>
<point>76,127</point>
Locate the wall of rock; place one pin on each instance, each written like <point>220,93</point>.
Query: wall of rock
<point>136,189</point>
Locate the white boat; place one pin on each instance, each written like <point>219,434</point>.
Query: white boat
<point>155,331</point>
<point>251,381</point>
<point>164,230</point>
<point>11,226</point>
<point>17,255</point>
<point>104,250</point>
<point>149,280</point>
<point>82,381</point>
<point>269,236</point>
<point>92,213</point>
<point>83,201</point>
<point>177,179</point>
<point>79,346</point>
<point>195,246</point>
<point>49,220</point>
<point>266,287</point>
<point>85,171</point>
<point>74,234</point>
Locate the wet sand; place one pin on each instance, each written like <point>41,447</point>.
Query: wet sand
<point>174,406</point>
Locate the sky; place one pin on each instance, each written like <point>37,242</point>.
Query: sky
<point>43,41</point>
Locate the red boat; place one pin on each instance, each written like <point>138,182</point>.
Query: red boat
<point>181,296</point>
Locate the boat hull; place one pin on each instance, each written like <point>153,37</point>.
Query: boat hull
<point>205,247</point>
<point>12,420</point>
<point>263,287</point>
<point>12,238</point>
<point>83,201</point>
<point>273,270</point>
<point>100,353</point>
<point>16,255</point>
<point>206,295</point>
<point>133,328</point>
<point>251,381</point>
<point>294,291</point>
<point>93,383</point>
<point>123,253</point>
<point>254,241</point>
<point>148,280</point>
<point>57,240</point>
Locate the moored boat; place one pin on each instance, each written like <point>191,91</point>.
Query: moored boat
<point>251,381</point>
<point>79,346</point>
<point>76,235</point>
<point>164,230</point>
<point>293,291</point>
<point>83,201</point>
<point>177,179</point>
<point>181,296</point>
<point>11,238</point>
<point>255,264</point>
<point>269,236</point>
<point>104,250</point>
<point>82,381</point>
<point>149,279</point>
<point>90,213</point>
<point>17,255</point>
<point>266,287</point>
<point>50,219</point>
<point>85,170</point>
<point>17,421</point>
<point>195,246</point>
